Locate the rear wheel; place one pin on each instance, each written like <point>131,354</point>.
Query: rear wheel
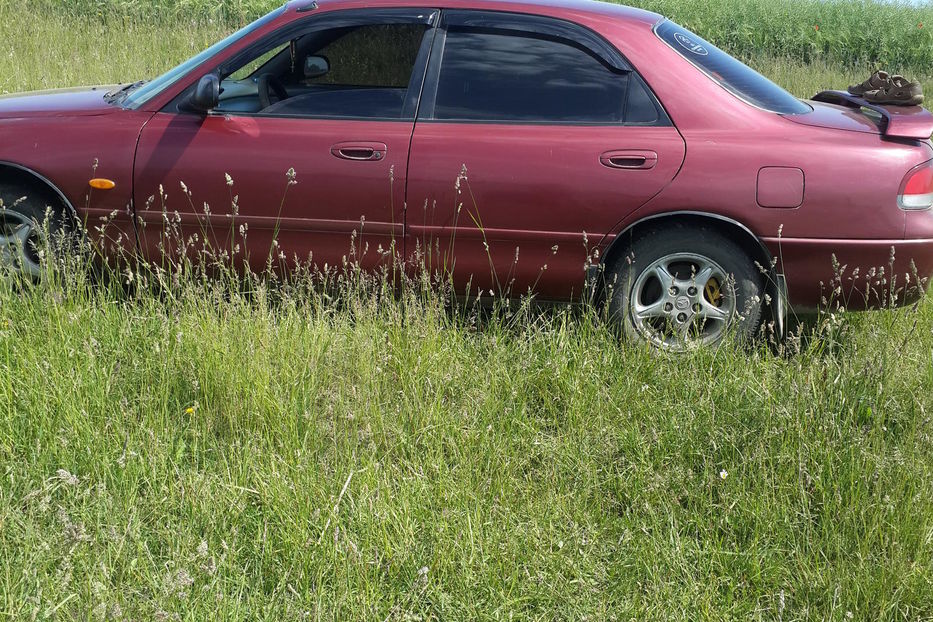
<point>682,287</point>
<point>23,223</point>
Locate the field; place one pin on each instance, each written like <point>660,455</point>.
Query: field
<point>268,451</point>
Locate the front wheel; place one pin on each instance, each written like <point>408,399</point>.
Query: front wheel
<point>681,287</point>
<point>25,227</point>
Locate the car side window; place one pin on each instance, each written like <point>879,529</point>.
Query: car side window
<point>381,55</point>
<point>356,71</point>
<point>254,65</point>
<point>507,75</point>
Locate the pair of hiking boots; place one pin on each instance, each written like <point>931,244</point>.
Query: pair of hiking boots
<point>882,88</point>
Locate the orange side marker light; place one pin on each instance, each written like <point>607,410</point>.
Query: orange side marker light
<point>102,184</point>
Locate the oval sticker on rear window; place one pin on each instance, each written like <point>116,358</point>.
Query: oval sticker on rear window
<point>690,45</point>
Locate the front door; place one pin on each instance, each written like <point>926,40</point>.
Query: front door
<point>534,138</point>
<point>306,156</point>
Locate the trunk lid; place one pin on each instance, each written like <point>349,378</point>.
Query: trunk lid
<point>842,111</point>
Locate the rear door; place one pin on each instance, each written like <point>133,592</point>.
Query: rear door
<point>534,137</point>
<point>316,168</point>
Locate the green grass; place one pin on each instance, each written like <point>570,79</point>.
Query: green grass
<point>212,455</point>
<point>198,453</point>
<point>863,33</point>
<point>73,46</point>
<point>59,49</point>
<point>860,33</point>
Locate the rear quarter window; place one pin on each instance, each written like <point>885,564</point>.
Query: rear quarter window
<point>730,73</point>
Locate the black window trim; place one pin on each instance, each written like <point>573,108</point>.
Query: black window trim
<point>427,16</point>
<point>533,24</point>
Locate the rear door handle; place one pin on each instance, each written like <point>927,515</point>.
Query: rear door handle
<point>629,158</point>
<point>359,151</point>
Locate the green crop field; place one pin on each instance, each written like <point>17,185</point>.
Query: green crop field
<point>194,449</point>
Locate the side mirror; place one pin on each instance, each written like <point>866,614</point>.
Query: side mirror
<point>316,66</point>
<point>206,94</point>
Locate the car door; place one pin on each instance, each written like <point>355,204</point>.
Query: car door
<point>534,138</point>
<point>317,170</point>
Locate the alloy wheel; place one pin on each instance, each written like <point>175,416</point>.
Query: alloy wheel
<point>19,238</point>
<point>682,300</point>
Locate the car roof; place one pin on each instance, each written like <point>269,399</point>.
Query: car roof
<point>593,8</point>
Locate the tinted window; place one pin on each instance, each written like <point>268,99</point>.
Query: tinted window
<point>730,73</point>
<point>510,76</point>
<point>640,107</point>
<point>370,68</point>
<point>373,56</point>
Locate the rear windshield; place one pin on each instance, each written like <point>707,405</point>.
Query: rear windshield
<point>733,75</point>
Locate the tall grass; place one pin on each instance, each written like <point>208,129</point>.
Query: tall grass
<point>85,42</point>
<point>862,33</point>
<point>178,447</point>
<point>42,49</point>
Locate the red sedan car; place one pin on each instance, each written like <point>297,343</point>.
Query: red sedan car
<point>528,145</point>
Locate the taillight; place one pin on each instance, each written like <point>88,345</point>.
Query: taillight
<point>917,189</point>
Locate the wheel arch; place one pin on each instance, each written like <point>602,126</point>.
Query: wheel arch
<point>13,173</point>
<point>750,242</point>
<point>775,285</point>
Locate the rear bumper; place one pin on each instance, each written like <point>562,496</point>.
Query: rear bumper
<point>856,274</point>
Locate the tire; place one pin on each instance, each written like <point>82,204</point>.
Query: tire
<point>712,289</point>
<point>26,225</point>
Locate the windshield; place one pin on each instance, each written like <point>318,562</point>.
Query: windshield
<point>145,92</point>
<point>730,73</point>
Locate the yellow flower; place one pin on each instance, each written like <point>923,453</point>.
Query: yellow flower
<point>189,410</point>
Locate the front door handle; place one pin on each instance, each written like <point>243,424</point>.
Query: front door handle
<point>629,158</point>
<point>359,151</point>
